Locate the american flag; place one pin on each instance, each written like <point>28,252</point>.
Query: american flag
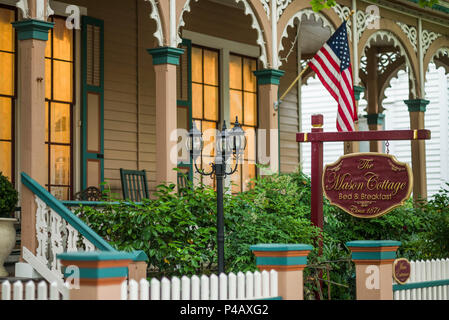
<point>332,64</point>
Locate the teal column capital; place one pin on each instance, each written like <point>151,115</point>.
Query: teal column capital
<point>281,257</point>
<point>375,118</point>
<point>32,29</point>
<point>97,267</point>
<point>269,76</point>
<point>166,55</point>
<point>380,251</point>
<point>358,90</point>
<point>417,105</point>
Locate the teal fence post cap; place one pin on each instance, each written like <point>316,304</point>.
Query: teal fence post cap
<point>139,256</point>
<point>373,243</point>
<point>95,256</point>
<point>281,247</point>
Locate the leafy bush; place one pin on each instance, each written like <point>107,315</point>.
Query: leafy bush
<point>274,211</point>
<point>435,242</point>
<point>8,197</point>
<point>175,240</point>
<point>178,232</point>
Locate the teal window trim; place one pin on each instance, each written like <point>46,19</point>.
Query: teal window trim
<point>188,103</point>
<point>91,89</point>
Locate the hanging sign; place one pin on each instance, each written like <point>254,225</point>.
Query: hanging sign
<point>401,270</point>
<point>367,185</point>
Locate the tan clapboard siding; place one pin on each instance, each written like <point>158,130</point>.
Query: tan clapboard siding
<point>129,99</point>
<point>220,21</point>
<point>123,115</point>
<point>288,112</point>
<point>146,97</point>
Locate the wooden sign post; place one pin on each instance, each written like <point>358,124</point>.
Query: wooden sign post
<point>317,137</point>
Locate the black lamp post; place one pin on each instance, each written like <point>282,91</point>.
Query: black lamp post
<point>231,142</point>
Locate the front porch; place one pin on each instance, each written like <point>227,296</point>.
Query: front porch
<point>84,102</point>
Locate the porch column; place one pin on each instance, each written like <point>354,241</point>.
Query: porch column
<point>32,38</point>
<point>376,123</point>
<point>165,60</point>
<point>417,108</point>
<point>374,268</point>
<point>354,146</point>
<point>268,84</point>
<point>373,96</point>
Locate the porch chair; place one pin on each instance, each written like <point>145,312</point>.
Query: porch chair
<point>182,183</point>
<point>134,185</point>
<point>89,194</point>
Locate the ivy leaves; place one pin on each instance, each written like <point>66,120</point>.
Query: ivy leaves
<point>318,5</point>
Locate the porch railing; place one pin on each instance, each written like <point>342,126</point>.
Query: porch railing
<point>58,230</point>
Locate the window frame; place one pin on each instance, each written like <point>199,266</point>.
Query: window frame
<point>242,120</point>
<point>219,108</point>
<point>13,98</point>
<point>72,105</point>
<point>225,48</point>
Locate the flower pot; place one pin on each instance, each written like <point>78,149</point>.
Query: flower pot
<point>7,241</point>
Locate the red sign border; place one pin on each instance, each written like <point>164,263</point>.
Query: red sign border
<point>393,158</point>
<point>394,271</point>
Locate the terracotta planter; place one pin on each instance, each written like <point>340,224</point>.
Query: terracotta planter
<point>7,241</point>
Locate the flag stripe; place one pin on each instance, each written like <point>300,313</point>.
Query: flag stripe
<point>332,64</point>
<point>326,77</point>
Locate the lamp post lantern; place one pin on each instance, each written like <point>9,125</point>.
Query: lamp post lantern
<point>230,142</point>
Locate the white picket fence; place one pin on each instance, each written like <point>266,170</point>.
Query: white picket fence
<point>429,280</point>
<point>249,286</point>
<point>18,291</point>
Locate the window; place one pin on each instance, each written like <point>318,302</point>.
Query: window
<point>243,105</point>
<point>205,103</point>
<point>59,68</point>
<point>7,91</point>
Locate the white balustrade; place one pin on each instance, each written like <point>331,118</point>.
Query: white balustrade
<point>54,236</point>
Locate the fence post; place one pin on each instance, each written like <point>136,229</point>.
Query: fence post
<point>374,268</point>
<point>137,269</point>
<point>100,274</point>
<point>289,260</point>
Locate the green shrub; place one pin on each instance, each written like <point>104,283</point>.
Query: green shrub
<point>435,242</point>
<point>178,232</point>
<point>8,197</point>
<point>274,211</point>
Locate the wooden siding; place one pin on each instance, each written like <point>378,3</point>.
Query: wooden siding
<point>129,112</point>
<point>220,21</point>
<point>288,111</point>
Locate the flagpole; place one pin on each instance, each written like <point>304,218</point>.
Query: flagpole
<point>302,73</point>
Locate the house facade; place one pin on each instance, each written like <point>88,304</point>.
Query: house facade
<point>90,87</point>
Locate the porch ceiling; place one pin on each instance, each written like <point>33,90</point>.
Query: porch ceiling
<point>313,36</point>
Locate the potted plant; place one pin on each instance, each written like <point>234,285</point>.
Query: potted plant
<point>8,201</point>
